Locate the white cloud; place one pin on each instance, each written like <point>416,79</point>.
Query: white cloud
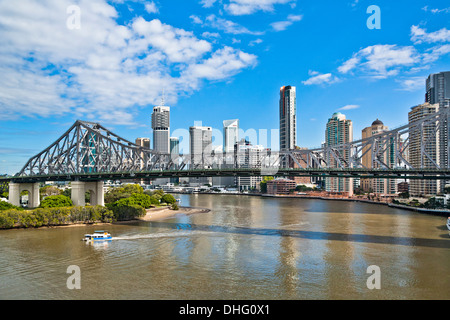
<point>255,42</point>
<point>412,84</point>
<point>381,61</point>
<point>207,3</point>
<point>228,26</point>
<point>195,19</point>
<point>103,71</point>
<point>445,10</point>
<point>151,7</point>
<point>419,35</point>
<point>244,7</point>
<point>349,107</point>
<point>434,53</point>
<point>282,25</point>
<point>318,78</point>
<point>224,63</point>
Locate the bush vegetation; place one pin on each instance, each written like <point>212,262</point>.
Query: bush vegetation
<point>7,206</point>
<point>54,216</point>
<point>58,201</point>
<point>122,203</point>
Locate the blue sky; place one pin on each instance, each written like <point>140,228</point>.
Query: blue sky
<point>215,60</point>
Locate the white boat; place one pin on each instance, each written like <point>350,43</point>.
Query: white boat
<point>448,223</point>
<point>97,236</point>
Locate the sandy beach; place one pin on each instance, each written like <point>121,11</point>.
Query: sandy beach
<point>154,214</point>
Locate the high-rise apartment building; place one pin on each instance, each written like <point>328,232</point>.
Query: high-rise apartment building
<point>339,130</point>
<point>438,89</point>
<point>288,120</point>
<point>438,92</point>
<point>248,156</point>
<point>200,150</point>
<point>428,139</point>
<point>230,135</point>
<point>161,129</point>
<point>377,185</point>
<point>200,145</point>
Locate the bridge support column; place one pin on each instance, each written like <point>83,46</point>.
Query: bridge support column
<point>33,194</point>
<point>96,191</point>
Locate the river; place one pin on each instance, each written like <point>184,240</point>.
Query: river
<point>244,248</point>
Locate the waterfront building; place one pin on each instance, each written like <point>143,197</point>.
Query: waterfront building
<point>427,140</point>
<point>280,186</point>
<point>161,129</point>
<point>339,130</point>
<point>379,186</point>
<point>288,121</point>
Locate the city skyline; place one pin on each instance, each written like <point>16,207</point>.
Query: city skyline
<point>236,63</point>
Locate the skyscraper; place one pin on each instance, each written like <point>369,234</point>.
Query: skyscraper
<point>230,135</point>
<point>288,121</point>
<point>339,130</point>
<point>428,140</point>
<point>377,185</point>
<point>161,129</point>
<point>200,145</point>
<point>438,92</point>
<point>200,149</point>
<point>438,89</point>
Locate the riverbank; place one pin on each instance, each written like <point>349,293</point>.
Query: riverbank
<point>154,214</point>
<point>416,209</point>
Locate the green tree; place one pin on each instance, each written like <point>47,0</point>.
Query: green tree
<point>56,202</point>
<point>168,198</point>
<point>263,184</point>
<point>132,188</point>
<point>49,190</point>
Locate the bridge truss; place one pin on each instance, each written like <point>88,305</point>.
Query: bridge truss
<point>417,150</point>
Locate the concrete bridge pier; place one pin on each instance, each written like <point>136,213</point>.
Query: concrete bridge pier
<point>95,189</point>
<point>33,194</point>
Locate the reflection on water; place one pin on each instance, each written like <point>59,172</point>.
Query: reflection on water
<point>245,248</point>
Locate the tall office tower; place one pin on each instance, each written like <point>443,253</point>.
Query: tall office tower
<point>438,91</point>
<point>200,149</point>
<point>427,140</point>
<point>288,121</point>
<point>378,185</point>
<point>230,135</point>
<point>200,145</point>
<point>338,130</point>
<point>248,156</point>
<point>161,129</point>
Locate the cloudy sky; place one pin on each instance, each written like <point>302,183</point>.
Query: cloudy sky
<point>110,61</point>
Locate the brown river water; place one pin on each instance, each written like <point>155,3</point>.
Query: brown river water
<point>244,248</point>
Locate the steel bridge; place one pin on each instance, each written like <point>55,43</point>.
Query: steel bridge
<point>88,153</point>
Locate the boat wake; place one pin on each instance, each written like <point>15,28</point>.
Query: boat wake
<point>159,235</point>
